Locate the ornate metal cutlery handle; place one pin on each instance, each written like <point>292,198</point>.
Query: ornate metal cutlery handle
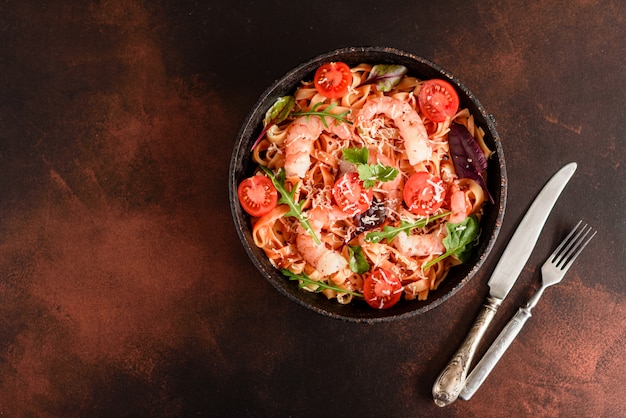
<point>448,385</point>
<point>495,352</point>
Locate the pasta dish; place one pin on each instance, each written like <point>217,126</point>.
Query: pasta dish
<point>370,184</point>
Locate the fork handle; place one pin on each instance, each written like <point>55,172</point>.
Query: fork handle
<point>451,380</point>
<point>494,353</point>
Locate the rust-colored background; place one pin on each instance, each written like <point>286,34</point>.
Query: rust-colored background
<point>124,290</point>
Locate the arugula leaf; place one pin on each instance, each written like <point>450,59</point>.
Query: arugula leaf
<point>341,117</point>
<point>358,262</point>
<point>461,239</point>
<point>390,232</point>
<point>276,114</point>
<point>369,173</point>
<point>386,76</point>
<point>289,198</point>
<point>306,280</point>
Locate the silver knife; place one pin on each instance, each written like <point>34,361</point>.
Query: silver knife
<point>448,385</point>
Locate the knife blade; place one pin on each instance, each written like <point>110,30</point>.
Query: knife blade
<point>451,380</point>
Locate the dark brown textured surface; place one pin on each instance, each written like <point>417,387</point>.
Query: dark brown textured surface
<point>124,290</point>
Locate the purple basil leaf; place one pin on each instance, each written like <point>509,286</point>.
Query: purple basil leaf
<point>468,158</point>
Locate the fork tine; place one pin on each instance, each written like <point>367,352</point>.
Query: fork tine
<point>569,249</point>
<point>556,256</point>
<point>584,240</point>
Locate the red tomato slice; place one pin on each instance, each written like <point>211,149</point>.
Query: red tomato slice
<point>438,100</point>
<point>351,196</point>
<point>257,195</point>
<point>333,79</point>
<point>382,289</point>
<point>424,193</point>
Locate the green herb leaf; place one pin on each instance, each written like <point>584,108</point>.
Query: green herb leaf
<point>358,262</point>
<point>356,155</point>
<point>390,232</point>
<point>289,199</point>
<point>370,173</point>
<point>461,239</point>
<point>323,114</point>
<point>276,114</point>
<point>306,281</point>
<point>386,77</point>
<point>279,110</point>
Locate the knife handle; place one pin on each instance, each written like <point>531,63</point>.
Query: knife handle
<point>452,379</point>
<point>495,352</point>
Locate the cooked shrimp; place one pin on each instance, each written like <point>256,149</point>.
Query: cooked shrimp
<point>406,119</point>
<point>325,260</point>
<point>301,135</point>
<point>419,245</point>
<point>459,205</point>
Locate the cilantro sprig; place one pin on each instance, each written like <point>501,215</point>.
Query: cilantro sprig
<point>390,232</point>
<point>289,199</point>
<point>305,280</point>
<point>369,173</point>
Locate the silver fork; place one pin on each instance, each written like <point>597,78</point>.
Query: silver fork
<point>552,272</point>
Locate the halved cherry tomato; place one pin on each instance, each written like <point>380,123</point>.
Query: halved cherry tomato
<point>333,79</point>
<point>382,289</point>
<point>424,193</point>
<point>257,195</point>
<point>350,195</point>
<point>438,100</point>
